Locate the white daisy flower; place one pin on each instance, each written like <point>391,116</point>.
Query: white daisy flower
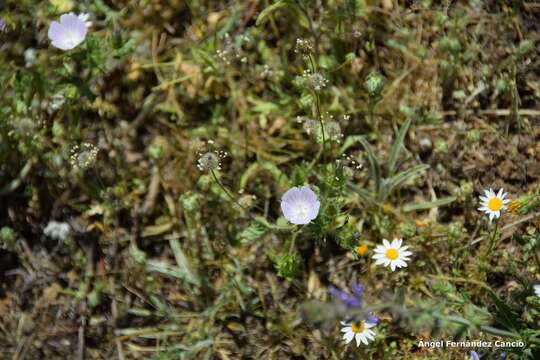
<point>493,204</point>
<point>392,254</point>
<point>70,31</point>
<point>360,331</point>
<point>537,290</point>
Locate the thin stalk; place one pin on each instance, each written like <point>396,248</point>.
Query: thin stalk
<point>229,195</point>
<point>319,117</point>
<point>492,239</point>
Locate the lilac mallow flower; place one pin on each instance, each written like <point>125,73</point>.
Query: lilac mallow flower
<point>70,31</point>
<point>474,355</point>
<point>300,205</point>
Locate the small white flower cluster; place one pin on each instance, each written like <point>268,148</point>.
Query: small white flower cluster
<point>83,156</point>
<point>349,164</point>
<point>233,50</point>
<point>57,230</point>
<point>333,130</point>
<point>316,81</point>
<point>303,46</point>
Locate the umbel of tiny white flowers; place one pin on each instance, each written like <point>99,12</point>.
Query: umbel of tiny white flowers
<point>537,290</point>
<point>211,160</point>
<point>359,330</point>
<point>493,204</point>
<point>69,32</point>
<point>57,230</point>
<point>300,205</point>
<point>392,254</point>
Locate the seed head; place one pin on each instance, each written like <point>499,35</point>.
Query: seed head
<point>303,46</point>
<point>83,156</point>
<point>316,81</point>
<point>333,129</point>
<point>211,160</point>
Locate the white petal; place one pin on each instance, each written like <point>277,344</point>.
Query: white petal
<point>400,263</point>
<point>363,338</point>
<point>386,243</point>
<point>348,337</point>
<point>357,340</point>
<point>380,249</point>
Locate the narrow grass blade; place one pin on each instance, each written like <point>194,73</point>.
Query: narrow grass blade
<point>398,145</point>
<point>429,204</point>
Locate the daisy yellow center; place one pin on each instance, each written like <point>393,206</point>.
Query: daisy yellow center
<point>392,254</point>
<point>494,204</point>
<point>358,327</point>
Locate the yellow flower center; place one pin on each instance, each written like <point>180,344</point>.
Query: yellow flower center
<point>358,327</point>
<point>494,204</point>
<point>392,254</point>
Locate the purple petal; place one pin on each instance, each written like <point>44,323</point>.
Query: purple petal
<point>372,319</point>
<point>55,30</point>
<point>338,294</point>
<point>474,355</point>
<point>290,195</point>
<point>353,302</point>
<point>357,289</point>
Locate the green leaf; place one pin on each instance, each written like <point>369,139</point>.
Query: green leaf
<point>505,315</point>
<point>251,233</point>
<point>182,262</point>
<point>374,167</point>
<point>270,9</point>
<point>400,178</point>
<point>429,204</point>
<point>398,144</point>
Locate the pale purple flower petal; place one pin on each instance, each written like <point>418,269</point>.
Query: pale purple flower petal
<point>300,205</point>
<point>69,32</point>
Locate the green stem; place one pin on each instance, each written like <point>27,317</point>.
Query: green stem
<point>319,117</point>
<point>492,239</point>
<point>229,195</point>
